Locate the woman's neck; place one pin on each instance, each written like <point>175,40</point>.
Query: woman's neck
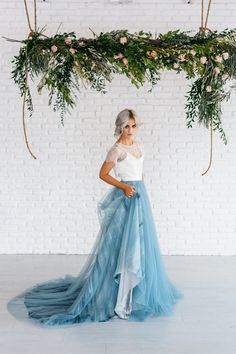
<point>126,142</point>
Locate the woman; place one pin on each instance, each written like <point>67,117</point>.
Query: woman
<point>124,276</point>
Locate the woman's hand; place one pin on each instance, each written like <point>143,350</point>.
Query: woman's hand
<point>129,190</point>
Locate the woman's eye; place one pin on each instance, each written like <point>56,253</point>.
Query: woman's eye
<point>133,126</point>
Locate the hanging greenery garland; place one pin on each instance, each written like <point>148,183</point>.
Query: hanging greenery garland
<point>63,62</point>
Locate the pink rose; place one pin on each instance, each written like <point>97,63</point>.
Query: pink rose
<point>193,52</point>
<point>153,54</point>
<point>68,40</point>
<point>225,76</point>
<point>54,48</point>
<point>217,69</point>
<point>176,65</point>
<point>118,56</point>
<point>125,61</point>
<point>208,88</point>
<point>218,58</point>
<point>182,57</point>
<point>123,40</point>
<point>203,60</point>
<point>73,50</point>
<point>225,55</point>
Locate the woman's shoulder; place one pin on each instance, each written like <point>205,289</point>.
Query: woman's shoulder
<point>140,144</point>
<point>114,147</point>
<point>113,153</point>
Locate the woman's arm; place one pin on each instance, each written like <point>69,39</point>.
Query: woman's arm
<point>104,175</point>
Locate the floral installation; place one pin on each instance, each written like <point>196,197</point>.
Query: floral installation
<point>63,62</point>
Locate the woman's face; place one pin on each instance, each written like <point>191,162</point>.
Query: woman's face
<point>130,129</point>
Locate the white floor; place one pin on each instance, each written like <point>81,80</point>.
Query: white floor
<point>204,322</point>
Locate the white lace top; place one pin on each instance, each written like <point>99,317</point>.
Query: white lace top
<point>128,160</point>
<point>119,151</point>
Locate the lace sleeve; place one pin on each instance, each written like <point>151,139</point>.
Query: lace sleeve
<point>112,155</point>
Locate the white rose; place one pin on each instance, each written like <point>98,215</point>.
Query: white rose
<point>208,88</point>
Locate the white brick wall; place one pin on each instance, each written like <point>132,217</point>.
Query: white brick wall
<point>49,205</point>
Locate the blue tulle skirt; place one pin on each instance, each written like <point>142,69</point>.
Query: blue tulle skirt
<point>124,275</point>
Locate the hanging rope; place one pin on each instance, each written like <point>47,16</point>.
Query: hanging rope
<point>27,15</point>
<point>203,29</point>
<point>211,131</point>
<point>23,107</point>
<point>35,16</point>
<point>26,73</point>
<point>208,10</point>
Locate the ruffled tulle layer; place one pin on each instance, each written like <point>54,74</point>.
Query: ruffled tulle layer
<point>124,275</point>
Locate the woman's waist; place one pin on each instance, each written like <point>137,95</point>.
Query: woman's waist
<point>131,180</point>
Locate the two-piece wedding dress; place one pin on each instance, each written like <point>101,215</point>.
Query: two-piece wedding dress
<point>124,275</point>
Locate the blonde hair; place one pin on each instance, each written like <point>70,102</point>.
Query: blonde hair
<point>122,119</point>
